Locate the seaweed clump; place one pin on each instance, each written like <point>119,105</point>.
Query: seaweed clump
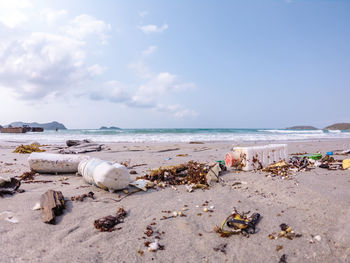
<point>189,173</point>
<point>28,148</point>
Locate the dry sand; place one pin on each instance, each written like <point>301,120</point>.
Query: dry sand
<point>312,203</point>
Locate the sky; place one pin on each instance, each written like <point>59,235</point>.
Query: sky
<point>175,64</point>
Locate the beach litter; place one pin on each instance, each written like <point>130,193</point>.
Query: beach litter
<point>28,176</point>
<point>143,184</point>
<point>82,197</point>
<point>192,173</point>
<point>238,223</point>
<point>51,163</point>
<point>52,204</point>
<point>153,246</point>
<point>103,174</point>
<point>28,148</point>
<point>255,157</point>
<point>346,164</point>
<point>108,223</point>
<point>9,186</point>
<point>286,232</point>
<point>280,168</point>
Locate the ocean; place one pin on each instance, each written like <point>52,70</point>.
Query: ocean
<point>174,135</point>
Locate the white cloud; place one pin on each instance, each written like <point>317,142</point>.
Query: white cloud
<point>150,50</point>
<point>52,16</point>
<point>11,12</point>
<point>153,28</point>
<point>96,70</point>
<point>185,113</point>
<point>84,25</point>
<point>40,64</point>
<point>113,91</point>
<point>140,68</point>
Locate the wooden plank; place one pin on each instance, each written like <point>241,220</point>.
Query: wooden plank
<point>52,205</point>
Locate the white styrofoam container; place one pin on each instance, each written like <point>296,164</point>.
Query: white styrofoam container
<point>52,163</point>
<point>256,157</point>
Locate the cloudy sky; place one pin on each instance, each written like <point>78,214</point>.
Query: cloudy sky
<point>144,64</point>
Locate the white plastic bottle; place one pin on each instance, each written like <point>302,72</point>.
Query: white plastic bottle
<point>104,174</point>
<point>52,163</point>
<point>256,157</point>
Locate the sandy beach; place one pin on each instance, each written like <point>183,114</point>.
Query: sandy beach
<point>313,203</point>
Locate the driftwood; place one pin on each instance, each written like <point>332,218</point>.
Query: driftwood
<point>52,205</point>
<point>77,146</point>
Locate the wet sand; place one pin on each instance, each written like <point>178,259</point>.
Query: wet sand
<point>313,203</point>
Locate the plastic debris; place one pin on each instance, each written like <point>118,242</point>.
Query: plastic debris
<point>346,164</point>
<point>286,231</point>
<point>52,163</point>
<point>107,223</point>
<point>142,184</point>
<point>315,156</point>
<point>239,223</point>
<point>28,148</point>
<point>36,206</point>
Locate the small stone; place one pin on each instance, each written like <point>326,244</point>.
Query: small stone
<point>317,238</point>
<point>205,209</point>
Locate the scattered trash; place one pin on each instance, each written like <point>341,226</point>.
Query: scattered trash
<point>196,142</point>
<point>142,184</point>
<point>168,150</point>
<point>329,153</point>
<point>240,223</point>
<point>28,148</point>
<point>315,156</point>
<point>9,217</point>
<point>280,168</point>
<point>132,172</point>
<point>52,205</point>
<point>214,172</point>
<point>83,196</point>
<point>346,164</point>
<point>182,155</point>
<point>52,163</point>
<point>286,231</point>
<point>168,159</point>
<point>255,157</point>
<point>221,248</point>
<point>191,173</point>
<point>283,259</point>
<point>9,186</point>
<point>153,246</point>
<point>104,174</point>
<point>107,223</point>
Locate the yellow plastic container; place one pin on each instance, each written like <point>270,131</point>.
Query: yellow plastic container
<point>346,164</point>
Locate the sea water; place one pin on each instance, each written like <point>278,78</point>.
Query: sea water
<point>174,135</point>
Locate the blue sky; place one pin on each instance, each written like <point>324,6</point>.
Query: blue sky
<point>144,64</point>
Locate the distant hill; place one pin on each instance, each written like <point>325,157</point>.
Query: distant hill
<point>338,126</point>
<point>47,126</point>
<point>301,128</point>
<point>109,128</point>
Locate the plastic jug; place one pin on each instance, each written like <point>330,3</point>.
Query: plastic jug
<point>55,163</point>
<point>256,157</point>
<point>104,174</point>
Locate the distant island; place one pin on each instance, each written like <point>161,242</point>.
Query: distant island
<point>338,126</point>
<point>300,127</point>
<point>47,126</point>
<point>109,128</point>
